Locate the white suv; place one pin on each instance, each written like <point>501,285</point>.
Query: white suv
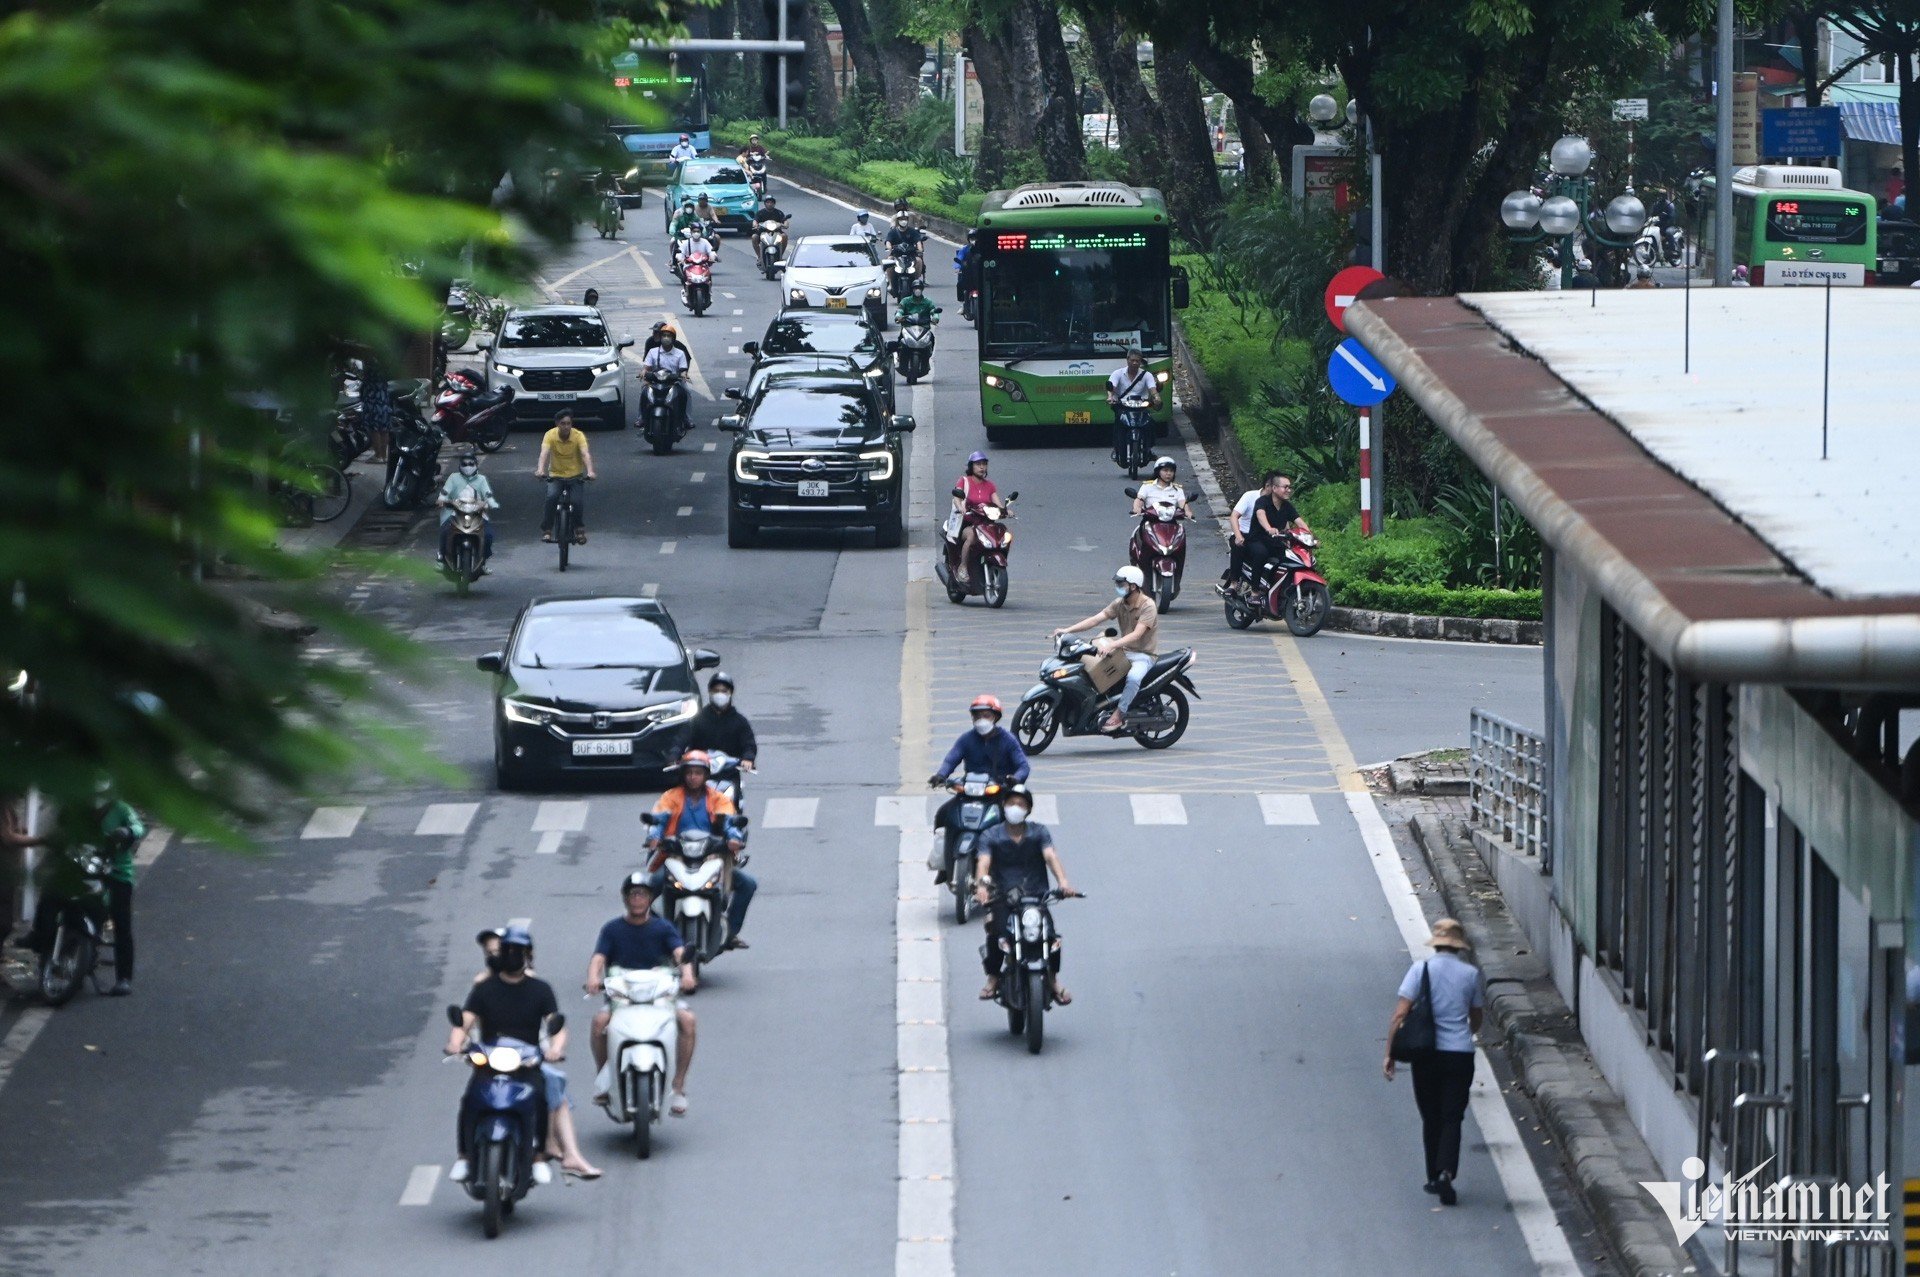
<point>835,272</point>
<point>558,357</point>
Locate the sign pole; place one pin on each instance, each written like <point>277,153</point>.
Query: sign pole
<point>1366,472</point>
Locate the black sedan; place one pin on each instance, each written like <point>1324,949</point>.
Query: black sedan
<point>591,686</point>
<point>846,334</point>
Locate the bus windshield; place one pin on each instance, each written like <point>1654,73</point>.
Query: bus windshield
<point>659,99</point>
<point>1810,221</point>
<point>1067,294</point>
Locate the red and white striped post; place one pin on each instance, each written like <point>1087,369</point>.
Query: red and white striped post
<point>1366,472</point>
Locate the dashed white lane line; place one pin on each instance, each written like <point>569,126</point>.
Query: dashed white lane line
<point>421,1182</point>
<point>19,1038</point>
<point>708,447</point>
<point>333,822</point>
<point>732,373</point>
<point>158,836</point>
<point>683,511</point>
<point>698,476</point>
<point>560,817</point>
<point>791,813</point>
<point>729,296</point>
<point>925,1210</point>
<point>736,329</point>
<point>733,350</point>
<point>447,819</point>
<point>1046,809</point>
<point>1288,809</point>
<point>668,547</point>
<point>549,843</point>
<point>739,312</point>
<point>650,590</point>
<point>1158,809</point>
<point>909,812</point>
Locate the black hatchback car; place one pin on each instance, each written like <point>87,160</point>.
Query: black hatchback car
<point>819,452</point>
<point>591,686</point>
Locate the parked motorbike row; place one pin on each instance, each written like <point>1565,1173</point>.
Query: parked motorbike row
<point>425,419</point>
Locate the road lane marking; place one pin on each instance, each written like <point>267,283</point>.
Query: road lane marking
<point>554,288</point>
<point>790,813</point>
<point>333,822</point>
<point>421,1182</point>
<point>646,270</point>
<point>549,843</point>
<point>1046,809</point>
<point>698,476</point>
<point>1288,809</point>
<point>560,817</point>
<point>446,819</point>
<point>19,1038</point>
<point>739,312</point>
<point>729,296</point>
<point>901,811</point>
<point>924,1213</point>
<point>736,329</point>
<point>683,511</point>
<point>1158,809</point>
<point>732,373</point>
<point>668,547</point>
<point>855,208</point>
<point>152,845</point>
<point>707,447</point>
<point>650,590</point>
<point>733,350</point>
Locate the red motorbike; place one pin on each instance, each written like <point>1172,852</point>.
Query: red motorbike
<point>696,283</point>
<point>1159,547</point>
<point>987,558</point>
<point>1288,588</point>
<point>465,413</point>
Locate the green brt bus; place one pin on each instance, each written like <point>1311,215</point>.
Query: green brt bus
<point>1072,275</point>
<point>1794,225</point>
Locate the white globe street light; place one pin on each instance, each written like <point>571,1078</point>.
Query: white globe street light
<point>1520,211</point>
<point>1323,109</point>
<point>1626,215</point>
<point>1559,215</point>
<point>1571,156</point>
<point>1353,111</point>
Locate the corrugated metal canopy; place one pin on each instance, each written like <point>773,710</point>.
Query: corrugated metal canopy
<point>1871,121</point>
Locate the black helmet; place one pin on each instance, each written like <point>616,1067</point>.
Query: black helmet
<point>721,679</point>
<point>468,455</point>
<point>900,205</point>
<point>1020,791</point>
<point>635,881</point>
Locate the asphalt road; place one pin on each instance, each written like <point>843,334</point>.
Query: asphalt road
<point>272,1099</point>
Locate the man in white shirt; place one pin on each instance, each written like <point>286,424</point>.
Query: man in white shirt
<point>683,150</point>
<point>863,227</point>
<point>671,356</point>
<point>1241,526</point>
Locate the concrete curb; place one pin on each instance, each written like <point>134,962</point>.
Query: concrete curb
<point>1606,1154</point>
<point>1457,629</point>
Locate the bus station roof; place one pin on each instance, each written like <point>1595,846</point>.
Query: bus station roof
<point>1697,497</point>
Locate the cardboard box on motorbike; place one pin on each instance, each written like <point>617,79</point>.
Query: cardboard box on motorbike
<point>1107,672</point>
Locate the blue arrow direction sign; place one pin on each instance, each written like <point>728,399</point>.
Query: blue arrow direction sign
<point>1357,376</point>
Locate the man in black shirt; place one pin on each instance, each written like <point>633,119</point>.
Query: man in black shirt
<point>720,726</point>
<point>1274,516</point>
<point>1016,855</point>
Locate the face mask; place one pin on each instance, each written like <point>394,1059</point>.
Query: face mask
<point>722,699</point>
<point>469,471</point>
<point>508,961</point>
<point>1119,591</point>
<point>1014,815</point>
<point>983,725</point>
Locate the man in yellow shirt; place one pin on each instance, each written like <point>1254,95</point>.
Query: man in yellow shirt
<point>565,459</point>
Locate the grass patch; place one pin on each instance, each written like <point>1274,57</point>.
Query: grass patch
<point>930,190</point>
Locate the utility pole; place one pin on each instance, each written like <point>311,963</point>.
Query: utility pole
<point>1723,149</point>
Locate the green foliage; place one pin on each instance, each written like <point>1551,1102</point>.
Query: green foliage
<point>1434,600</point>
<point>936,184</point>
<point>285,158</point>
<point>1467,512</point>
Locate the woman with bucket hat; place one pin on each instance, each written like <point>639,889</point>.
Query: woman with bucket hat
<point>1441,1004</point>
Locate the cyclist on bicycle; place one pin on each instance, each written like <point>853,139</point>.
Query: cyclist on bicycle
<point>564,460</point>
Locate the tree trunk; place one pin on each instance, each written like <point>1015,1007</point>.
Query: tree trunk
<point>1909,123</point>
<point>1806,33</point>
<point>1257,154</point>
<point>856,36</point>
<point>1264,128</point>
<point>823,95</point>
<point>1063,146</point>
<point>1005,126</point>
<point>1140,120</point>
<point>1193,186</point>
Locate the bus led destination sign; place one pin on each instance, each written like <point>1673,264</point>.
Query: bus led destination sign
<point>1065,240</point>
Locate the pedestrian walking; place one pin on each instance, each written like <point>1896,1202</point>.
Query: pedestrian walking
<point>1447,992</point>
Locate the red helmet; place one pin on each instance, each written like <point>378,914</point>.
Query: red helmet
<point>984,702</point>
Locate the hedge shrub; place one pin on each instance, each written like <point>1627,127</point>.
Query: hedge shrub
<point>885,180</point>
<point>1439,600</point>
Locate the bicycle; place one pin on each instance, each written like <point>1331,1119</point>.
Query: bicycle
<point>564,530</point>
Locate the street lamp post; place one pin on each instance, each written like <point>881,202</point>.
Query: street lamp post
<point>1567,208</point>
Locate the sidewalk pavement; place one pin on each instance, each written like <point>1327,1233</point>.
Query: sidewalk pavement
<point>366,478</point>
<point>1604,1152</point>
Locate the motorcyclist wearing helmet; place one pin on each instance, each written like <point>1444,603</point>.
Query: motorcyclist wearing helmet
<point>917,306</point>
<point>988,749</point>
<point>904,238</point>
<point>863,227</point>
<point>720,725</point>
<point>670,356</point>
<point>694,805</point>
<point>683,150</point>
<point>1016,855</point>
<point>639,940</point>
<point>1162,488</point>
<point>973,489</point>
<point>1135,614</point>
<point>466,478</point>
<point>513,1003</point>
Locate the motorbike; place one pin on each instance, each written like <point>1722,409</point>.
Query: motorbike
<point>756,167</point>
<point>1066,702</point>
<point>676,246</point>
<point>987,574</point>
<point>913,349</point>
<point>903,266</point>
<point>466,542</point>
<point>413,460</point>
<point>769,246</point>
<point>503,1120</point>
<point>347,433</point>
<point>1289,588</point>
<point>81,928</point>
<point>699,886</point>
<point>609,216</point>
<point>1135,447</point>
<point>660,415</point>
<point>696,284</point>
<point>643,1035</point>
<point>1660,245</point>
<point>1159,548</point>
<point>467,413</point>
<point>1027,950</point>
<point>958,852</point>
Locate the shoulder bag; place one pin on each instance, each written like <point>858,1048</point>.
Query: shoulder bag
<point>1417,1033</point>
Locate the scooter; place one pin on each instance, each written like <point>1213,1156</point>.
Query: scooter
<point>699,887</point>
<point>643,1036</point>
<point>987,574</point>
<point>1135,416</point>
<point>913,348</point>
<point>769,246</point>
<point>903,264</point>
<point>660,415</point>
<point>81,927</point>
<point>757,176</point>
<point>1066,702</point>
<point>608,218</point>
<point>1028,951</point>
<point>1159,548</point>
<point>723,773</point>
<point>466,542</point>
<point>466,413</point>
<point>413,461</point>
<point>958,849</point>
<point>1289,588</point>
<point>503,1119</point>
<point>696,284</point>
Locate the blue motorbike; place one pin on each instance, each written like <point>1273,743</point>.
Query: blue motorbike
<point>503,1121</point>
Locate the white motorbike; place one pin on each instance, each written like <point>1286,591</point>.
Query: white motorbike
<point>913,348</point>
<point>699,887</point>
<point>643,1035</point>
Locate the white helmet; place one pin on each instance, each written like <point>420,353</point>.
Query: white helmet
<point>1161,462</point>
<point>1131,575</point>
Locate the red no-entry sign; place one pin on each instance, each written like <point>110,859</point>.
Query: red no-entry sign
<point>1345,289</point>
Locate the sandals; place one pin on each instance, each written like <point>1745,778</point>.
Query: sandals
<point>1061,996</point>
<point>679,1105</point>
<point>547,537</point>
<point>991,992</point>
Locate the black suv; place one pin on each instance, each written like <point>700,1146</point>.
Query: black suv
<point>816,453</point>
<point>842,333</point>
